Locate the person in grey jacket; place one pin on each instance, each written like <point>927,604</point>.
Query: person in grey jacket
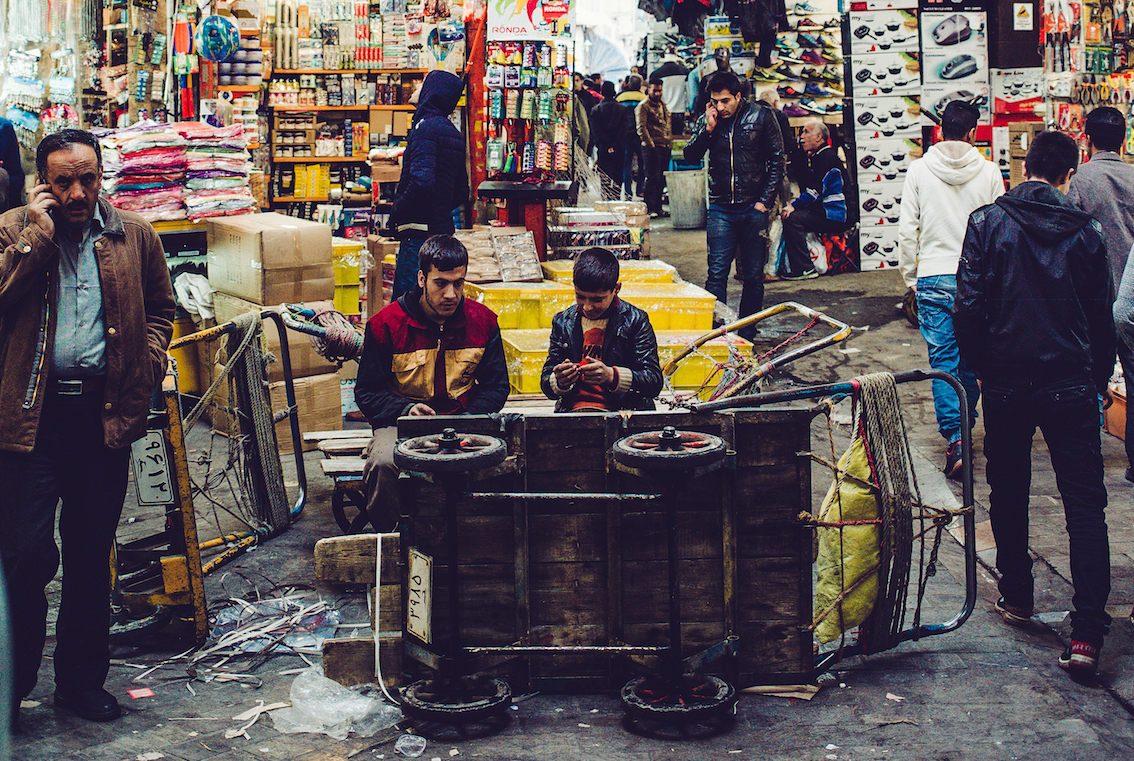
<point>1104,188</point>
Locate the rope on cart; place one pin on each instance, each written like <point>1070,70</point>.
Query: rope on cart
<point>341,340</point>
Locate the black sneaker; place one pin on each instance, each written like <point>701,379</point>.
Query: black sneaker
<point>809,275</point>
<point>1013,615</point>
<point>1130,473</point>
<point>953,461</point>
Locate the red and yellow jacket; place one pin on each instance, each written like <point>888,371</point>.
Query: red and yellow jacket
<point>455,368</point>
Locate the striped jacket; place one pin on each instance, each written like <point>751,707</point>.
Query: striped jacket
<point>824,182</point>
<point>455,368</point>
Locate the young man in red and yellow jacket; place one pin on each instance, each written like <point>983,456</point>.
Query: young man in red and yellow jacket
<point>431,352</point>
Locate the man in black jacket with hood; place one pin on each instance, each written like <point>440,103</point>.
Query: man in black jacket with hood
<point>746,168</point>
<point>1032,320</point>
<point>434,179</point>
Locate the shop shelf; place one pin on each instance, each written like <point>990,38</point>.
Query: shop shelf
<point>630,271</point>
<point>522,305</point>
<point>352,71</point>
<point>672,306</point>
<point>319,159</point>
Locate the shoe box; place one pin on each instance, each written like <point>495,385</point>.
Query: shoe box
<point>883,31</point>
<point>889,157</point>
<point>736,46</point>
<point>878,74</point>
<point>878,247</point>
<point>886,117</point>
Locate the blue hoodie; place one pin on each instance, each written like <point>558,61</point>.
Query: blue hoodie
<point>434,179</point>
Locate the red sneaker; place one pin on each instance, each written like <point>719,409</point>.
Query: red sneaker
<point>1081,658</point>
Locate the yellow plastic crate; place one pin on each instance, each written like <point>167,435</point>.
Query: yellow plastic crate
<point>522,306</point>
<point>346,255</point>
<point>525,351</point>
<point>699,366</point>
<point>631,271</point>
<point>346,299</point>
<point>672,306</point>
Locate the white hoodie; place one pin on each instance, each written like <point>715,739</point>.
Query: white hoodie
<point>945,186</point>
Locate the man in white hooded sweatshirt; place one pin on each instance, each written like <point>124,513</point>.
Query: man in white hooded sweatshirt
<point>942,189</point>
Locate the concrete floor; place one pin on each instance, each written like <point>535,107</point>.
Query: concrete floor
<point>986,691</point>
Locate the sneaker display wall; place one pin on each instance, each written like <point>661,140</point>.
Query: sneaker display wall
<point>807,64</point>
<point>884,90</point>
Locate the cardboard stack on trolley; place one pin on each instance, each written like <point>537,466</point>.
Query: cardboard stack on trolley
<point>263,260</point>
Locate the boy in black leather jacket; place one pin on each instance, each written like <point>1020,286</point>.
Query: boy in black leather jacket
<point>603,354</point>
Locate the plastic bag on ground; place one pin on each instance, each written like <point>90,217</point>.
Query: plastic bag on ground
<point>321,705</point>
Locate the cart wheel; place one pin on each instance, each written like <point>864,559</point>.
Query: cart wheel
<point>669,449</point>
<point>477,699</point>
<point>449,452</point>
<point>696,698</point>
<point>341,499</point>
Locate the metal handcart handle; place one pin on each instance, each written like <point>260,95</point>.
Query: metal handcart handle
<point>968,518</point>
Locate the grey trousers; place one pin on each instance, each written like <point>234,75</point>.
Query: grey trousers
<point>381,479</point>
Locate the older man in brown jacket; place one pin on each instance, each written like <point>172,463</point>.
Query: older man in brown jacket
<point>652,119</point>
<point>86,315</point>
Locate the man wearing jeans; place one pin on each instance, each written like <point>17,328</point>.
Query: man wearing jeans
<point>652,120</point>
<point>1033,321</point>
<point>942,188</point>
<point>746,167</point>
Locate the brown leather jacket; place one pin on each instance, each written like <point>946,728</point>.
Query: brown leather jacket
<point>652,121</point>
<point>138,304</point>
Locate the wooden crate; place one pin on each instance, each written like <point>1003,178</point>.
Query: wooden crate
<point>594,572</point>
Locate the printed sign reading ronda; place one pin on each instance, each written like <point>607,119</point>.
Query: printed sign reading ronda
<point>529,19</point>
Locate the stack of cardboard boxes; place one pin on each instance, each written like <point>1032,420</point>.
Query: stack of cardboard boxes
<point>259,260</point>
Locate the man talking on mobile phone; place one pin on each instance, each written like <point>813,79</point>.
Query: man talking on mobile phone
<point>746,167</point>
<point>86,315</point>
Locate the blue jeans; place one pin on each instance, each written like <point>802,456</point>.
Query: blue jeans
<point>1067,414</point>
<point>737,231</point>
<point>935,296</point>
<point>405,272</point>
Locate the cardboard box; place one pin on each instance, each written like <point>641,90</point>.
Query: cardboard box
<point>270,258</point>
<point>305,361</point>
<point>318,399</point>
<point>1020,136</point>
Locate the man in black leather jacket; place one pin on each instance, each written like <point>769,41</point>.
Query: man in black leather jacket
<point>603,355</point>
<point>1032,320</point>
<point>746,167</point>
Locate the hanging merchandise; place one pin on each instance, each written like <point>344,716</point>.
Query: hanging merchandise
<point>218,38</point>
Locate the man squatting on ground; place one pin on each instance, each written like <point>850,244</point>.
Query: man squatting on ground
<point>945,186</point>
<point>86,308</point>
<point>431,352</point>
<point>746,167</point>
<point>1033,321</point>
<point>603,355</point>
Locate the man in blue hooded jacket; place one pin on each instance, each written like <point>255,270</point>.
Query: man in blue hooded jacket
<point>434,179</point>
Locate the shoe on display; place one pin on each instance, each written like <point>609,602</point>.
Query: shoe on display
<point>827,42</point>
<point>767,75</point>
<point>829,57</point>
<point>793,110</point>
<point>959,67</point>
<point>952,30</point>
<point>807,40</point>
<point>808,23</point>
<point>804,8</point>
<point>787,91</point>
<point>1012,614</point>
<point>810,56</point>
<point>832,75</point>
<point>815,91</point>
<point>1080,658</point>
<point>784,69</point>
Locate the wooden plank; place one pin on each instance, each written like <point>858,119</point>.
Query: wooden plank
<point>769,590</point>
<point>350,661</point>
<point>343,447</point>
<point>644,535</point>
<point>568,594</point>
<point>582,481</point>
<point>351,559</point>
<point>312,437</point>
<point>391,608</point>
<point>645,596</point>
<point>574,538</point>
<point>343,466</point>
